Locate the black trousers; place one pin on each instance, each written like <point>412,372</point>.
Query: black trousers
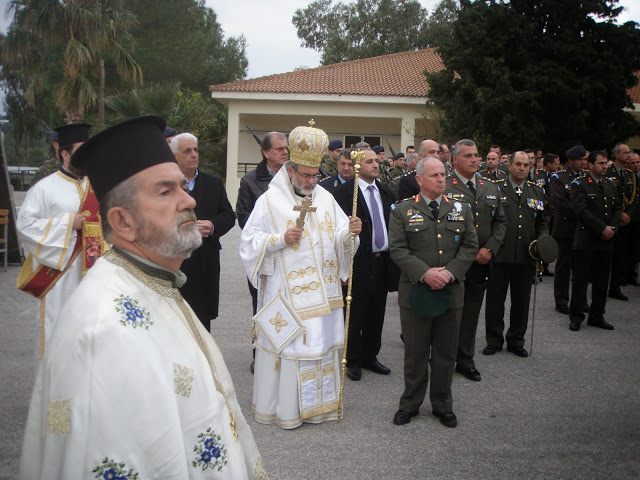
<point>623,250</point>
<point>473,297</point>
<point>367,316</point>
<point>594,266</point>
<point>564,265</point>
<point>518,277</point>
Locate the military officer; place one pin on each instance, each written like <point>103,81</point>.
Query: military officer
<point>542,177</point>
<point>564,223</point>
<point>465,185</point>
<point>433,240</point>
<point>513,267</point>
<point>598,211</point>
<point>490,169</point>
<point>329,164</point>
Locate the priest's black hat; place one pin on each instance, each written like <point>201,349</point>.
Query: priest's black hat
<point>73,133</point>
<point>121,151</point>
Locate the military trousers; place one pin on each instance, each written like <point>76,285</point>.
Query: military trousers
<point>473,297</point>
<point>429,341</point>
<point>595,266</point>
<point>564,265</point>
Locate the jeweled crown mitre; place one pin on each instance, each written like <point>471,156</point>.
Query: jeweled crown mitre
<point>307,145</point>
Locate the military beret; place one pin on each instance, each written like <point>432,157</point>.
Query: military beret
<point>378,149</point>
<point>576,152</point>
<point>427,302</point>
<point>479,274</point>
<point>334,144</point>
<point>169,132</point>
<point>398,155</point>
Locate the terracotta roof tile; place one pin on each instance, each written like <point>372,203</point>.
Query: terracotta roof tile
<point>397,74</point>
<point>634,92</point>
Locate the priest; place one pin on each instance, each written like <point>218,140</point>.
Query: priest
<point>295,248</point>
<point>132,385</point>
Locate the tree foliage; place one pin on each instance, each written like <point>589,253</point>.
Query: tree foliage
<point>538,72</point>
<point>367,28</point>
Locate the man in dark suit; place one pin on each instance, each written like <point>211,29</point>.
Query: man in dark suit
<point>373,270</point>
<point>598,210</point>
<point>408,186</point>
<point>215,218</point>
<point>513,267</point>
<point>433,240</point>
<point>345,172</point>
<point>465,185</point>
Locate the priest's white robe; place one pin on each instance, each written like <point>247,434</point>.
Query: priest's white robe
<point>126,389</point>
<point>45,226</point>
<point>301,382</point>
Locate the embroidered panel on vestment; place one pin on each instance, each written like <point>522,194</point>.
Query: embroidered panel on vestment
<point>59,416</point>
<point>210,451</point>
<point>182,379</point>
<point>132,314</point>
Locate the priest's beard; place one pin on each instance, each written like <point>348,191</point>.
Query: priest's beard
<point>178,243</point>
<point>302,189</point>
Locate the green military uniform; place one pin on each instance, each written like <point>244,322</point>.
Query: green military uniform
<point>490,223</point>
<point>328,167</point>
<point>513,266</point>
<point>417,242</point>
<point>396,174</point>
<point>492,175</point>
<point>596,206</point>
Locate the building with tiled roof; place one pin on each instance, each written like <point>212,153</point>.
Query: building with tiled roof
<point>381,100</point>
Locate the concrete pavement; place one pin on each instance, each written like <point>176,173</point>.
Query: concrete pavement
<point>568,411</point>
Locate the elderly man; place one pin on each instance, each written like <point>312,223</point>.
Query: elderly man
<point>215,218</point>
<point>60,231</point>
<point>433,240</point>
<point>466,185</point>
<point>513,267</point>
<point>345,172</point>
<point>132,385</point>
<point>295,248</point>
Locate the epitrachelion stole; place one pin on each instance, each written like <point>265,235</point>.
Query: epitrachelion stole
<point>279,322</point>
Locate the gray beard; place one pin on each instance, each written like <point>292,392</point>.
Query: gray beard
<point>178,244</point>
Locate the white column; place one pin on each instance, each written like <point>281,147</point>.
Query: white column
<point>233,140</point>
<point>407,132</point>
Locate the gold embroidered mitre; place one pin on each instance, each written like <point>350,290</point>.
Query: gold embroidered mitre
<point>307,146</point>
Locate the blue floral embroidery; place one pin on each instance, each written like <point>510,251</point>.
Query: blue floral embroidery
<point>112,470</point>
<point>210,452</point>
<point>132,313</point>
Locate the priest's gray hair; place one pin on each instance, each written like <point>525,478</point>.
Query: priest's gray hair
<point>122,195</point>
<point>420,166</point>
<point>456,148</point>
<point>175,141</point>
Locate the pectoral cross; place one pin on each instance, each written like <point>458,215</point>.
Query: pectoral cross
<point>303,208</point>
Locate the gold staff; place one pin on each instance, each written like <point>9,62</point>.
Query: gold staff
<point>356,157</point>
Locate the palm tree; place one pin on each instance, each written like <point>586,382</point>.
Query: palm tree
<point>82,32</point>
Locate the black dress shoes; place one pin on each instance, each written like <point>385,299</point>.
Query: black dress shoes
<point>470,373</point>
<point>601,324</point>
<point>618,295</point>
<point>574,326</point>
<point>448,419</point>
<point>402,418</point>
<point>547,273</point>
<point>354,372</point>
<point>518,350</point>
<point>564,309</point>
<point>376,367</point>
<point>491,349</point>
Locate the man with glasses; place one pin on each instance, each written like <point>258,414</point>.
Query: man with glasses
<point>295,248</point>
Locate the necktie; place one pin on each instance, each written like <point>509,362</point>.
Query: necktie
<point>434,208</point>
<point>375,213</point>
<point>518,191</point>
<point>472,188</point>
<point>600,185</point>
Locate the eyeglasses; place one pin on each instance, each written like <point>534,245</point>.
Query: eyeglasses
<point>308,176</point>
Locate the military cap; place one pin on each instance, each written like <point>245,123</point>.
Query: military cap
<point>333,144</point>
<point>170,132</point>
<point>398,155</point>
<point>544,249</point>
<point>378,149</point>
<point>576,152</point>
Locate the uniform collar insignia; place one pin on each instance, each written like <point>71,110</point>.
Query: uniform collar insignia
<point>455,181</point>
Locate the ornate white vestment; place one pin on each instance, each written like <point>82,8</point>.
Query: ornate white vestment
<point>132,386</point>
<point>45,225</point>
<point>299,382</point>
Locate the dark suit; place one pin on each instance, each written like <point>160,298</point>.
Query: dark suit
<point>408,186</point>
<point>374,274</point>
<point>596,208</point>
<point>202,269</point>
<point>513,267</point>
<point>418,242</point>
<point>564,228</point>
<point>331,183</point>
<point>488,217</point>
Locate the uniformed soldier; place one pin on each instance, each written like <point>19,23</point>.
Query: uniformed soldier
<point>466,185</point>
<point>513,267</point>
<point>598,211</point>
<point>398,166</point>
<point>433,240</point>
<point>564,223</point>
<point>329,164</point>
<point>623,182</point>
<point>490,169</point>
<point>542,177</point>
<point>633,209</point>
<point>345,172</point>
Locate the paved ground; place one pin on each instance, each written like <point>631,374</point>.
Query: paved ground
<point>568,411</point>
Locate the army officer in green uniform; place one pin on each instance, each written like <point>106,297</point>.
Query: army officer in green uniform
<point>598,210</point>
<point>432,239</point>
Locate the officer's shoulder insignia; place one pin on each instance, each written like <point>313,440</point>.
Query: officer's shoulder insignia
<point>576,181</point>
<point>404,200</point>
<point>533,184</point>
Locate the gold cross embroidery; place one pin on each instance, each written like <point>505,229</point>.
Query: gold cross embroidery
<point>278,322</point>
<point>328,226</point>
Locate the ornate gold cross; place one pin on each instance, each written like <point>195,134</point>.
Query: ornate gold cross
<point>303,208</point>
<point>278,322</point>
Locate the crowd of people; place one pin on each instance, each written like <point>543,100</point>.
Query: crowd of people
<point>123,248</point>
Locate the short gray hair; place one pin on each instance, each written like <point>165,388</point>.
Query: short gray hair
<point>412,160</point>
<point>122,195</point>
<point>175,141</point>
<point>420,166</point>
<point>616,147</point>
<point>456,148</point>
<point>361,145</point>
